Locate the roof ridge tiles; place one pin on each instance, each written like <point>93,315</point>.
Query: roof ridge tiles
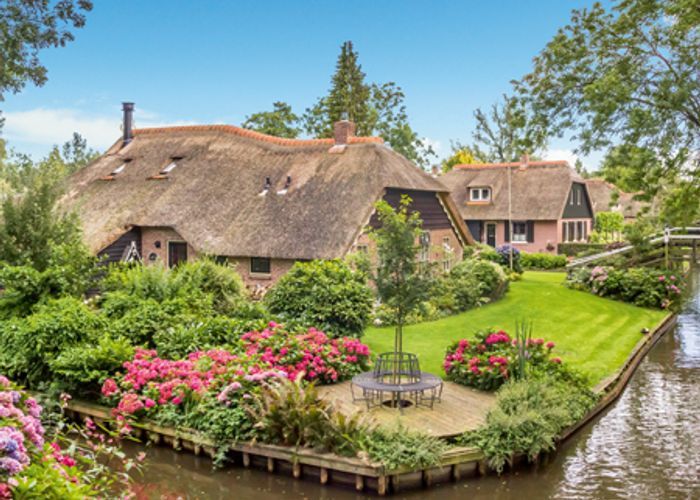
<point>544,163</point>
<point>252,134</point>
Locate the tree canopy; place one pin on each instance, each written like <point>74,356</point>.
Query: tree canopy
<point>626,75</point>
<point>280,122</point>
<point>26,27</point>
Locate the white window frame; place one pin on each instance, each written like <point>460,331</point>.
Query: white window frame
<point>480,191</point>
<point>169,167</point>
<point>521,237</point>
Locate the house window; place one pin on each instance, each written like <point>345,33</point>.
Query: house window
<point>119,169</point>
<point>260,265</point>
<point>424,255</point>
<point>578,196</point>
<point>519,232</point>
<point>362,249</point>
<point>579,230</point>
<point>169,168</point>
<point>447,254</point>
<point>479,194</point>
<point>571,196</point>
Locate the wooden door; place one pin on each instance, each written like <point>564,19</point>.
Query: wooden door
<point>177,252</point>
<point>491,234</point>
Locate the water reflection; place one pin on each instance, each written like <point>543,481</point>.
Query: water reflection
<point>646,446</point>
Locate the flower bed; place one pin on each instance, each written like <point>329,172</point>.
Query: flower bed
<point>213,383</point>
<point>492,358</point>
<point>643,287</point>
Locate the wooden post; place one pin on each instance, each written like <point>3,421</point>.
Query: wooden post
<point>270,464</point>
<point>324,475</point>
<point>381,485</point>
<point>482,468</point>
<point>427,478</point>
<point>395,482</point>
<point>455,473</point>
<point>296,470</point>
<point>359,482</point>
<point>246,460</point>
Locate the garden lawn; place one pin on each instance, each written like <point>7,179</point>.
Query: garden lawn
<point>593,334</point>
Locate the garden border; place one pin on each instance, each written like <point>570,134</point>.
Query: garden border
<point>327,468</point>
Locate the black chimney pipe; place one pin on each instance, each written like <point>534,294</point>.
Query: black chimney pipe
<point>127,125</point>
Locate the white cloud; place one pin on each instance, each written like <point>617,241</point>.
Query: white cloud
<point>562,154</point>
<point>45,127</point>
<point>434,143</point>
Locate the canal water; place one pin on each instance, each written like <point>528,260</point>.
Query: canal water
<point>645,446</point>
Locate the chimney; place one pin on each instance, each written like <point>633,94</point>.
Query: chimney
<point>524,161</point>
<point>128,123</point>
<point>343,130</point>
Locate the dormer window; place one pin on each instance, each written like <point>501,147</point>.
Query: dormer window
<point>480,194</point>
<point>120,168</point>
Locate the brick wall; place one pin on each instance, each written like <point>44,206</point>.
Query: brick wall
<point>278,267</point>
<point>152,235</point>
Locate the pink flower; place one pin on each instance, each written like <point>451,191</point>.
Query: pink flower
<point>149,403</point>
<point>662,278</point>
<point>550,345</point>
<point>109,387</point>
<point>556,360</point>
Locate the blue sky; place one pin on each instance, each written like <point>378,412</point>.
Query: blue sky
<point>218,61</point>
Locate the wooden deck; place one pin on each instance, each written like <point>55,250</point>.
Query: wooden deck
<point>461,409</point>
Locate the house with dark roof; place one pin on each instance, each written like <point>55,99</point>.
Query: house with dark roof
<point>546,202</point>
<point>168,194</point>
<point>606,197</point>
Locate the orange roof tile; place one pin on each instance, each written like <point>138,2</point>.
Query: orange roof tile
<point>551,163</point>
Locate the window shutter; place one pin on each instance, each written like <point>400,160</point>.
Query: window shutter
<point>530,231</point>
<point>506,232</point>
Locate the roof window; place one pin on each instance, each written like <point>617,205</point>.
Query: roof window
<point>171,166</point>
<point>121,167</point>
<point>287,183</point>
<point>479,194</point>
<point>266,187</point>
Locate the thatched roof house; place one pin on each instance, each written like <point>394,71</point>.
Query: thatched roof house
<point>168,193</point>
<point>606,197</point>
<point>546,201</point>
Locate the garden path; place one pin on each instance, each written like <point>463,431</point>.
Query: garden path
<point>461,409</point>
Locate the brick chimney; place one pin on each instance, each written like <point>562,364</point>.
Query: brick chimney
<point>343,130</point>
<point>524,161</point>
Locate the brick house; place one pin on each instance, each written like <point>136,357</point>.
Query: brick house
<point>164,195</point>
<point>547,201</point>
<point>606,197</point>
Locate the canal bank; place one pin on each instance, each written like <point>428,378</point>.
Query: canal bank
<point>642,446</point>
<point>196,464</point>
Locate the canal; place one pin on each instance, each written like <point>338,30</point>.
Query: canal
<point>645,446</point>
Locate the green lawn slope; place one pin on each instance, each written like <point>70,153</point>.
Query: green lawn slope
<point>591,333</point>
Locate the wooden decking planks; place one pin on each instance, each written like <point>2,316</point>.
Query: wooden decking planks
<point>461,409</point>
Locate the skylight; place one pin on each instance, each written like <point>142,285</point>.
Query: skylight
<point>119,169</point>
<point>171,166</point>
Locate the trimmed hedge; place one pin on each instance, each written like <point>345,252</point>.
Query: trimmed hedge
<point>542,261</point>
<point>573,249</point>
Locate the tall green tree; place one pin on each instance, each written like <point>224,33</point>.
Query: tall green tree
<point>506,131</point>
<point>280,122</point>
<point>632,168</point>
<point>628,74</point>
<point>376,109</point>
<point>27,27</point>
<point>402,284</point>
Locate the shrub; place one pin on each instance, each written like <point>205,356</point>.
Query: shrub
<point>139,281</point>
<point>542,261</point>
<point>469,284</point>
<point>492,358</point>
<point>220,280</point>
<point>643,287</point>
<point>577,249</point>
<point>504,256</point>
<point>82,369</point>
<point>327,294</point>
<point>28,345</point>
<point>528,417</point>
<point>401,447</point>
<point>177,341</point>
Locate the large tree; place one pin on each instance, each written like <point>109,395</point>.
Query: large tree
<point>631,168</point>
<point>376,109</point>
<point>28,26</point>
<point>626,75</point>
<point>280,122</point>
<point>506,131</point>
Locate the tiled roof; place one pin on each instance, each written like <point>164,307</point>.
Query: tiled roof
<point>551,163</point>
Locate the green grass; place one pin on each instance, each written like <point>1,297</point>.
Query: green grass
<point>593,334</point>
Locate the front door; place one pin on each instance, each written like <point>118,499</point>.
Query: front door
<point>177,252</point>
<point>491,234</point>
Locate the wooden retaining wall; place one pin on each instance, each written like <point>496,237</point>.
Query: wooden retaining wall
<point>456,463</point>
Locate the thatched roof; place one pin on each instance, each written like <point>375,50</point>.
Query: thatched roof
<point>539,190</point>
<point>601,193</point>
<point>212,198</point>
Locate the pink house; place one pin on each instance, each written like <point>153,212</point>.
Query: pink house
<point>546,202</point>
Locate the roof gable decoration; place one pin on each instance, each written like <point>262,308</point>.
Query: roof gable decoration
<point>131,253</point>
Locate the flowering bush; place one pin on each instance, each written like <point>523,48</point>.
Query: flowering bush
<point>33,468</point>
<point>643,287</point>
<point>491,358</point>
<point>187,391</point>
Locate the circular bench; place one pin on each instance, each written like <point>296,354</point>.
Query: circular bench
<point>421,389</point>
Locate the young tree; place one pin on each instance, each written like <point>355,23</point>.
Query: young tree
<point>402,284</point>
<point>375,108</point>
<point>609,225</point>
<point>26,27</point>
<point>461,155</point>
<point>280,122</point>
<point>626,75</point>
<point>506,132</point>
